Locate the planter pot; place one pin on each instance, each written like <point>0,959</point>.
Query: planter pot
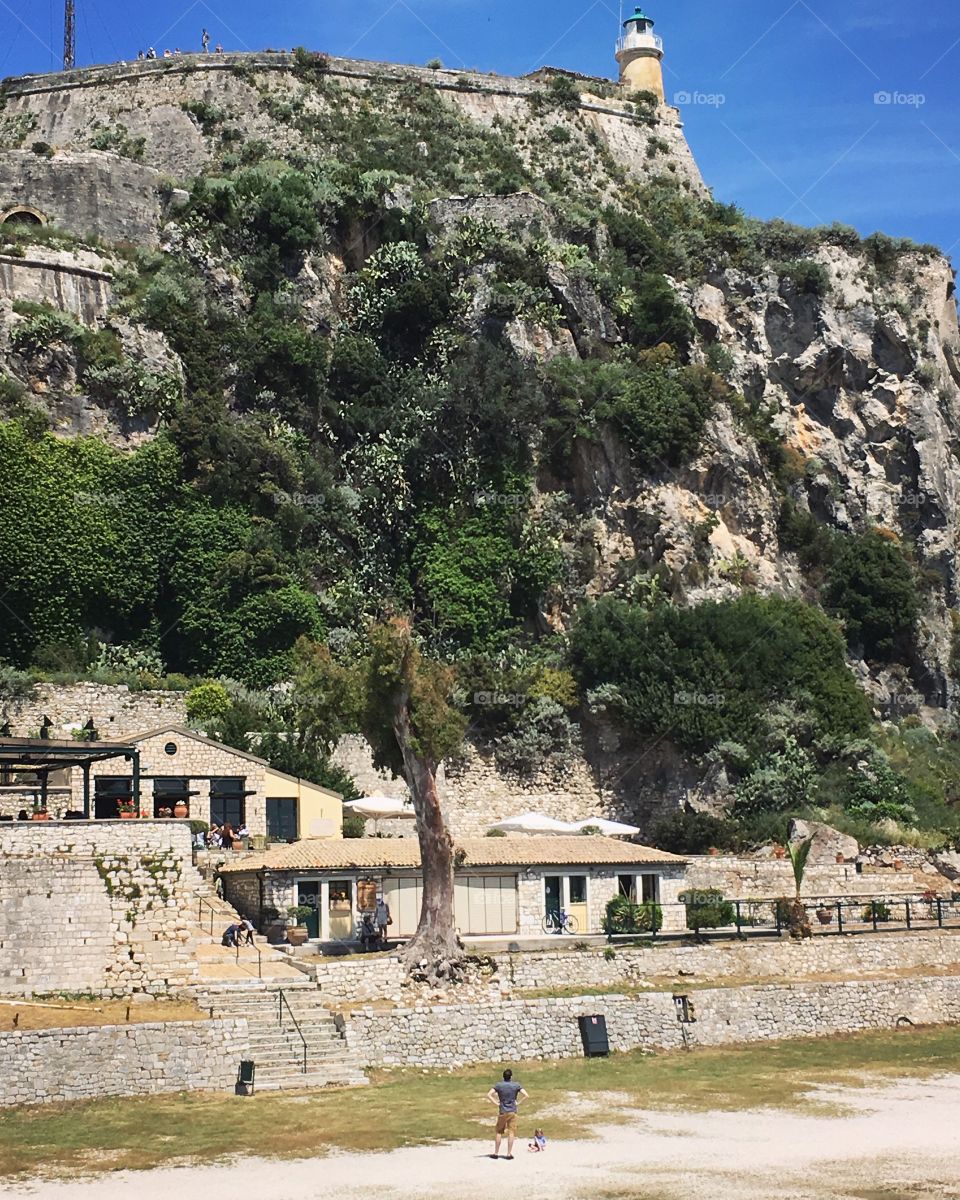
<point>181,810</point>
<point>128,816</point>
<point>236,844</point>
<point>840,859</point>
<point>40,816</point>
<point>898,864</point>
<point>825,916</point>
<point>713,851</point>
<point>297,935</point>
<point>779,852</point>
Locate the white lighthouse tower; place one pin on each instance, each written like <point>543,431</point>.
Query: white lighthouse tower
<point>640,55</point>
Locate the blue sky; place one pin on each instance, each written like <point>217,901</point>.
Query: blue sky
<point>782,111</point>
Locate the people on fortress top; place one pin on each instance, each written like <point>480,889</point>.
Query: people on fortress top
<point>205,38</point>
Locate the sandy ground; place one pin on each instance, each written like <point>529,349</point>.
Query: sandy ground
<point>898,1142</point>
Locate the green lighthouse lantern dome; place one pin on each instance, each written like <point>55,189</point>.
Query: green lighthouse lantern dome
<point>639,18</point>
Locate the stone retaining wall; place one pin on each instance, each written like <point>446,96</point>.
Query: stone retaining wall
<point>742,878</point>
<point>53,1065</point>
<point>113,708</point>
<point>358,981</point>
<point>456,1036</point>
<point>765,958</point>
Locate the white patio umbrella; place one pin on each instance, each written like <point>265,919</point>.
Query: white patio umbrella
<point>608,828</point>
<point>531,822</point>
<point>383,808</point>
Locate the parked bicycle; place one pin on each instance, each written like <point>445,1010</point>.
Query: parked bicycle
<point>560,922</point>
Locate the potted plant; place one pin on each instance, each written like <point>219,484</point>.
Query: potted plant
<point>779,852</point>
<point>127,810</point>
<point>40,813</point>
<point>297,932</point>
<point>825,915</point>
<point>181,809</point>
<point>840,859</point>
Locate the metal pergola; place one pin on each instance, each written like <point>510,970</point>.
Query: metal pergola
<point>41,756</point>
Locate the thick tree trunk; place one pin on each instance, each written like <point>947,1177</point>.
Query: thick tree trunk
<point>436,953</point>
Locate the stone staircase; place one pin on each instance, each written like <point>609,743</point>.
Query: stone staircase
<point>275,1045</point>
<point>208,916</point>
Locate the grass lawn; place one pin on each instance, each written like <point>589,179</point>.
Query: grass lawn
<point>414,1107</point>
<point>72,1014</point>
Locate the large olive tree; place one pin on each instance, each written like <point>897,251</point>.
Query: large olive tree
<point>412,726</point>
<point>402,703</point>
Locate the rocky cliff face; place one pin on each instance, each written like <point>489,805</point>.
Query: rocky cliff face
<point>850,357</point>
<point>862,383</point>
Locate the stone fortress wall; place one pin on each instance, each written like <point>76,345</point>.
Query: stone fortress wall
<point>74,281</point>
<point>122,200</point>
<point>95,908</point>
<point>91,193</point>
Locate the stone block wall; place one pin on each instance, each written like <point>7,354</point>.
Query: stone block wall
<point>457,1036</point>
<point>54,1065</point>
<point>100,908</point>
<point>114,709</point>
<point>355,982</point>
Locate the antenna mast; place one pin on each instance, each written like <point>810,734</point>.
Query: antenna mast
<point>69,34</point>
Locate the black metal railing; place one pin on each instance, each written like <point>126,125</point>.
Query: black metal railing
<point>826,915</point>
<point>283,1003</point>
<point>201,905</point>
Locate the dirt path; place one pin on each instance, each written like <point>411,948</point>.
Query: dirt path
<point>893,1143</point>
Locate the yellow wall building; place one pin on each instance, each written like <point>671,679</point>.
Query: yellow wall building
<point>318,812</point>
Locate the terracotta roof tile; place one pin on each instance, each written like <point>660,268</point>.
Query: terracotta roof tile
<point>364,853</point>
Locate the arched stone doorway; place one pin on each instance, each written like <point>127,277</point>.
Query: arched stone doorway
<point>22,214</point>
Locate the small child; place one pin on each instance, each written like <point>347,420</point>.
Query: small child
<point>539,1143</point>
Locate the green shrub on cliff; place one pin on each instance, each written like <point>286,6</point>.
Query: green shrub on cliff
<point>699,675</point>
<point>873,589</point>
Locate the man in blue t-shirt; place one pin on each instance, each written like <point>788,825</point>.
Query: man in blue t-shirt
<point>507,1096</point>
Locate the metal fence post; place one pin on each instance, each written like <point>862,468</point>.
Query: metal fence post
<point>906,905</point>
<point>839,916</point>
<point>739,929</point>
<point>873,913</point>
<point>939,912</point>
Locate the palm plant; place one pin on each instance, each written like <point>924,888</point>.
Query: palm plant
<point>799,852</point>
